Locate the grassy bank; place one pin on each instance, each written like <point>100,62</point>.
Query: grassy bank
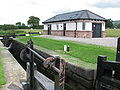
<point>19,31</point>
<point>30,30</point>
<point>113,32</point>
<point>85,52</point>
<point>2,78</point>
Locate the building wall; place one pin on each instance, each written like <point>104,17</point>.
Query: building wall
<point>84,34</point>
<point>45,27</point>
<point>57,32</point>
<point>79,26</point>
<point>57,28</point>
<point>71,33</point>
<point>103,34</point>
<point>70,26</point>
<point>88,26</point>
<point>60,26</point>
<point>103,26</point>
<point>53,26</point>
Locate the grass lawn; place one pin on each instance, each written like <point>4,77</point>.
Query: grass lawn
<point>113,32</point>
<point>85,52</point>
<point>2,78</point>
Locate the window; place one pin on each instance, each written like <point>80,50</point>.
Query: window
<point>83,26</point>
<point>103,24</point>
<point>57,26</point>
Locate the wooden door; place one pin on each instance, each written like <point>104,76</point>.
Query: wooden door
<point>64,29</point>
<point>97,30</point>
<point>49,29</point>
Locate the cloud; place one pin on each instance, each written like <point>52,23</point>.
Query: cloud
<point>63,10</point>
<point>32,2</point>
<point>20,10</point>
<point>107,4</point>
<point>2,18</point>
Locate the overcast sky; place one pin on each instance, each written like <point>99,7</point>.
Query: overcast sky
<point>12,11</point>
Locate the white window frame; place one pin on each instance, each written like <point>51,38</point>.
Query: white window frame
<point>83,25</point>
<point>57,26</point>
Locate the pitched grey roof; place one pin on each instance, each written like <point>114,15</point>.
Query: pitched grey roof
<point>76,15</point>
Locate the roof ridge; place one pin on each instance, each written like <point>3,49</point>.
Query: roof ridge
<point>87,14</point>
<point>81,14</point>
<point>96,14</point>
<point>70,12</point>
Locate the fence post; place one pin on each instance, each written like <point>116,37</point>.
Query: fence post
<point>59,77</point>
<point>31,57</point>
<point>14,36</point>
<point>118,50</point>
<point>100,72</point>
<point>5,40</point>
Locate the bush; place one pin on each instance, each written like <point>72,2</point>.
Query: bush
<point>8,27</point>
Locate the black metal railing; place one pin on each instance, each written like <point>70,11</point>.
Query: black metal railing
<point>54,63</point>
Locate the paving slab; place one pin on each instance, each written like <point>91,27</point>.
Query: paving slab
<point>13,71</point>
<point>109,41</point>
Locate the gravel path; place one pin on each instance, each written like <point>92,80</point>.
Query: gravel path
<point>13,71</point>
<point>110,42</point>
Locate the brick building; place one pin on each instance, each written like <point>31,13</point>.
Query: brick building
<point>81,24</point>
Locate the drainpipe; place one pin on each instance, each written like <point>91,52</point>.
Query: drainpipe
<point>75,29</point>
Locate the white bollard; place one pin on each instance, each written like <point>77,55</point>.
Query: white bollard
<point>40,33</point>
<point>1,38</point>
<point>65,48</point>
<point>27,35</point>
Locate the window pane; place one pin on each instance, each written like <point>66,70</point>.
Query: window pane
<point>57,26</point>
<point>83,26</point>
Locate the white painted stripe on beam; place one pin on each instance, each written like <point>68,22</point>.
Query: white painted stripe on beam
<point>1,37</point>
<point>40,33</point>
<point>27,35</point>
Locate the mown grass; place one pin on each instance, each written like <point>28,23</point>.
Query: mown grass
<point>85,52</point>
<point>2,77</point>
<point>113,32</point>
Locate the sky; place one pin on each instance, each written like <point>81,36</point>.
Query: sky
<point>12,11</point>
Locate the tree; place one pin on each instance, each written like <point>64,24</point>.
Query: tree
<point>109,24</point>
<point>8,27</point>
<point>23,24</point>
<point>18,24</point>
<point>33,22</point>
<point>118,26</point>
<point>40,27</point>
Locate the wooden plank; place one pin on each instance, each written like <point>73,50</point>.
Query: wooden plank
<point>110,81</point>
<point>118,50</point>
<point>73,85</point>
<point>79,80</point>
<point>82,72</point>
<point>44,81</point>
